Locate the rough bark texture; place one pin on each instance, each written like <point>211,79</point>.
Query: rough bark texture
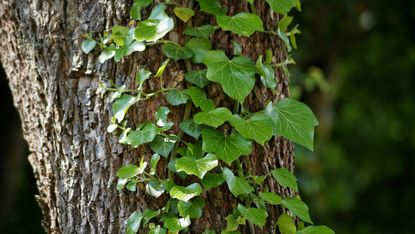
<point>64,122</point>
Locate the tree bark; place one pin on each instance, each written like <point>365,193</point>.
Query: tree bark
<point>64,122</point>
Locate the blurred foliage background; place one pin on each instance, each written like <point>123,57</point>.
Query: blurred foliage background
<point>356,69</point>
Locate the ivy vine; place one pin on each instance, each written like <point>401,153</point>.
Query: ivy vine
<point>212,153</point>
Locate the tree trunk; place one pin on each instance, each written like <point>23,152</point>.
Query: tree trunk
<point>64,121</point>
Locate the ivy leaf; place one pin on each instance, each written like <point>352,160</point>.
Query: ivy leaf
<point>281,6</point>
<point>212,7</point>
<point>199,46</point>
<point>204,31</point>
<point>155,27</point>
<point>193,209</point>
<point>88,45</point>
<point>135,11</point>
<point>174,225</point>
<point>134,222</point>
<point>106,54</point>
<point>148,214</point>
<point>286,224</point>
<point>134,47</point>
<point>267,74</point>
<point>156,229</point>
<point>214,118</point>
<point>293,120</point>
<point>258,127</point>
<point>161,118</point>
<point>199,98</point>
<point>184,13</point>
<point>141,76</point>
<point>190,128</point>
<point>285,178</point>
<point>244,24</point>
<point>237,185</point>
<point>227,148</point>
<point>316,230</point>
<point>176,98</point>
<point>186,193</point>
<point>121,106</point>
<point>212,181</point>
<point>197,77</point>
<point>270,198</point>
<point>197,167</point>
<point>153,163</point>
<point>162,68</point>
<point>163,145</point>
<point>257,216</point>
<point>176,52</point>
<point>119,34</point>
<point>144,135</point>
<point>155,189</point>
<point>129,171</point>
<point>237,76</point>
<point>131,185</point>
<point>298,208</point>
<point>232,223</point>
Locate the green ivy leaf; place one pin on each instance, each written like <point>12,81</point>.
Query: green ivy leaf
<point>215,117</point>
<point>281,6</point>
<point>156,26</point>
<point>237,185</point>
<point>155,189</point>
<point>156,229</point>
<point>237,76</point>
<point>258,127</point>
<point>197,167</point>
<point>176,98</point>
<point>204,31</point>
<point>190,128</point>
<point>212,7</point>
<point>286,224</point>
<point>119,34</point>
<point>131,185</point>
<point>134,222</point>
<point>184,13</point>
<point>121,106</point>
<point>227,148</point>
<point>141,136</point>
<point>257,216</point>
<point>148,214</point>
<point>212,181</point>
<point>285,178</point>
<point>88,45</point>
<point>153,163</point>
<point>266,73</point>
<point>293,120</point>
<point>197,77</point>
<point>244,24</point>
<point>316,230</point>
<point>176,52</point>
<point>270,198</point>
<point>199,46</point>
<point>135,11</point>
<point>106,54</point>
<point>146,30</point>
<point>163,145</point>
<point>121,183</point>
<point>285,22</point>
<point>162,68</point>
<point>129,171</point>
<point>141,76</point>
<point>298,208</point>
<point>193,209</point>
<point>198,97</point>
<point>186,193</point>
<point>175,225</point>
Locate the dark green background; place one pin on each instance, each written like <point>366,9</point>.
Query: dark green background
<point>355,68</point>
